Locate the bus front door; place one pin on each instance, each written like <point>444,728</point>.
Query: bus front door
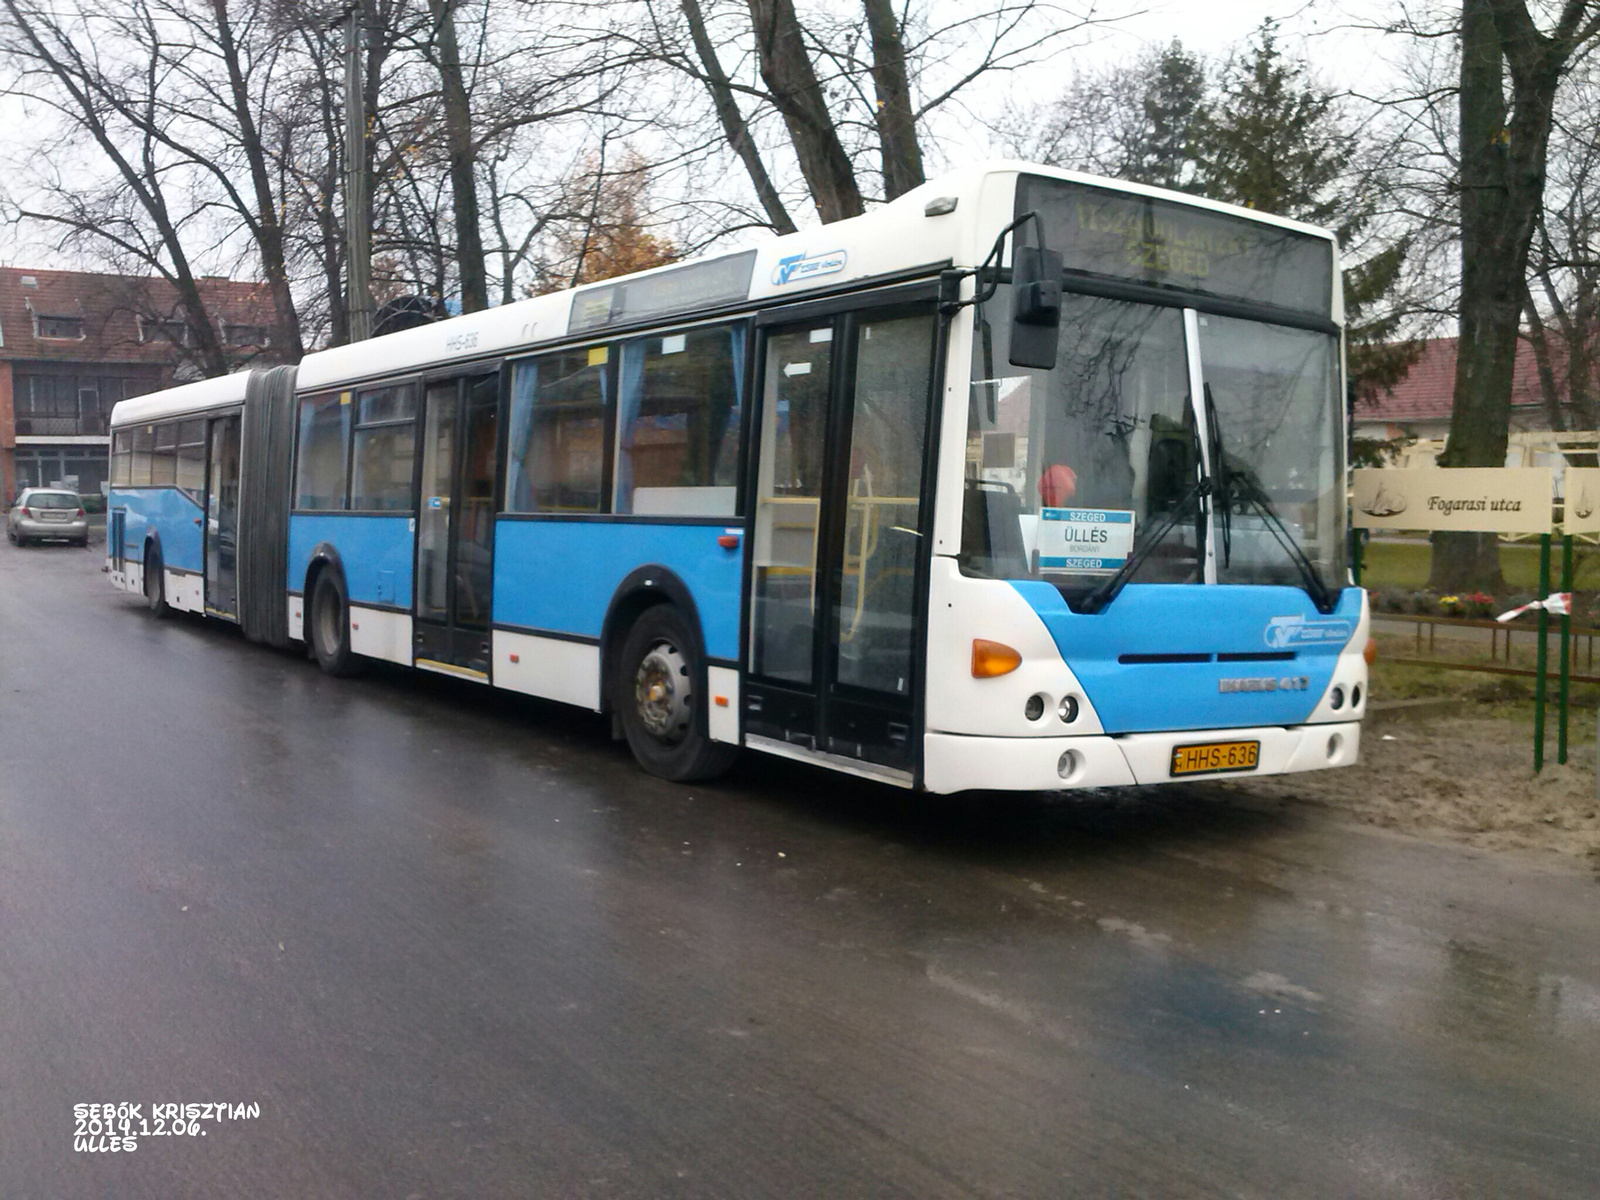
<point>837,561</point>
<point>455,526</point>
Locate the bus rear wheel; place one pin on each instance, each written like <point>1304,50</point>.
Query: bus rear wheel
<point>330,626</point>
<point>660,697</point>
<point>155,582</point>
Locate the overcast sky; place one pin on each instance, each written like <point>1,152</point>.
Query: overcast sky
<point>1318,29</point>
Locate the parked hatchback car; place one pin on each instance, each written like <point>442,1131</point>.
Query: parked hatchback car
<point>42,514</point>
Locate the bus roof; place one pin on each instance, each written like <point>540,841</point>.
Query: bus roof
<point>222,392</point>
<point>894,239</point>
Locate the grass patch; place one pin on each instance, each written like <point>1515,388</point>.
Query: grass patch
<point>1405,564</point>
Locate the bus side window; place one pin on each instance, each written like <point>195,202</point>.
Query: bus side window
<point>385,447</point>
<point>320,458</point>
<point>164,461</point>
<point>556,455</point>
<point>680,409</point>
<point>121,459</point>
<point>144,440</point>
<point>191,472</point>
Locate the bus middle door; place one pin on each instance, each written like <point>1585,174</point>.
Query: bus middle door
<point>455,526</point>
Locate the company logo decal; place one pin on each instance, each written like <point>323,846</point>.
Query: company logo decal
<point>1283,632</point>
<point>798,267</point>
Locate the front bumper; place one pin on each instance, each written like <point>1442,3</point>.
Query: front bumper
<point>69,530</point>
<point>957,763</point>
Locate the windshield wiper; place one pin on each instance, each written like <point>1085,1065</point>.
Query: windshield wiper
<point>1107,591</point>
<point>1251,492</point>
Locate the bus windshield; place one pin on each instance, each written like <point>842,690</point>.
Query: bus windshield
<point>1070,471</point>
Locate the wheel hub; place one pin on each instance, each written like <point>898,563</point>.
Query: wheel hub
<point>661,692</point>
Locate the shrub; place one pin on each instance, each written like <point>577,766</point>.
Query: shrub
<point>1392,599</point>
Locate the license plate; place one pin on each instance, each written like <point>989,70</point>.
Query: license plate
<point>1215,758</point>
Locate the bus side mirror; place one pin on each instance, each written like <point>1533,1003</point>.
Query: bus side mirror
<point>1035,307</point>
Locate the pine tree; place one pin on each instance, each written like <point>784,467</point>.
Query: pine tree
<point>1174,92</point>
<point>1271,139</point>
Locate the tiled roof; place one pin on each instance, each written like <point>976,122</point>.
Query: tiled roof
<point>110,307</point>
<point>1426,393</point>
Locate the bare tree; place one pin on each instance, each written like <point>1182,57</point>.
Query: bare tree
<point>1505,134</point>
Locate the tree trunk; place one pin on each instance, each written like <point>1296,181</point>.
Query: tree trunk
<point>267,228</point>
<point>896,120</point>
<point>1549,389</point>
<point>786,69</point>
<point>463,160</point>
<point>734,127</point>
<point>1502,189</point>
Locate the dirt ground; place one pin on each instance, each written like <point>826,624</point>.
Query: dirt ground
<point>1460,778</point>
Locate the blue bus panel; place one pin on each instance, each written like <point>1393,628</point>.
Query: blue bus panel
<point>1241,634</point>
<point>173,514</point>
<point>375,551</point>
<point>560,576</point>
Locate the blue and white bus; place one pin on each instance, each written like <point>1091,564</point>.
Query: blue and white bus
<point>1026,480</point>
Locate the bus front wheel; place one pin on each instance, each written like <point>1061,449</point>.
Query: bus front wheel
<point>330,626</point>
<point>660,698</point>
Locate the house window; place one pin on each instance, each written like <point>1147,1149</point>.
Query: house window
<point>246,335</point>
<point>176,332</point>
<point>57,327</point>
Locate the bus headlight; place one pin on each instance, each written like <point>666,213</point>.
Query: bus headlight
<point>1068,710</point>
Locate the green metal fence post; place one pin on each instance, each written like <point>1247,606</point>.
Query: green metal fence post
<point>1565,685</point>
<point>1542,658</point>
<point>1358,544</point>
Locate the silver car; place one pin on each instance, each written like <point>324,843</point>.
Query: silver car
<point>46,513</point>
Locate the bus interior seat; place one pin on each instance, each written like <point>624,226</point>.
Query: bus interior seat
<point>991,529</point>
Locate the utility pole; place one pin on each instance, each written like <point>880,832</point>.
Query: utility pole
<point>357,207</point>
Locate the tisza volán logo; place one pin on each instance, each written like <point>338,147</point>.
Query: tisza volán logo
<point>801,266</point>
<point>1283,632</point>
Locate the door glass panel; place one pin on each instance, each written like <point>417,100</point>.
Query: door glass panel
<point>433,522</point>
<point>788,499</point>
<point>222,517</point>
<point>474,574</point>
<point>875,610</point>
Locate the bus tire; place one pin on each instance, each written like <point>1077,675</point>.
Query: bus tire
<point>155,582</point>
<point>329,626</point>
<point>660,690</point>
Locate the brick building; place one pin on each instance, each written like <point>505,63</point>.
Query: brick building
<point>72,344</point>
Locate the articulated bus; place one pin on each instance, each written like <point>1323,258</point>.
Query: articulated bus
<point>1026,480</point>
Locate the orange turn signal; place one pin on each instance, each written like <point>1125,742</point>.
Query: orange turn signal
<point>993,658</point>
<point>1371,652</point>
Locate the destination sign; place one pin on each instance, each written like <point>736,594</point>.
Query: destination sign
<point>676,292</point>
<point>1160,242</point>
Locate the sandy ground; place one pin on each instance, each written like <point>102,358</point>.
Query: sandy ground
<point>1465,779</point>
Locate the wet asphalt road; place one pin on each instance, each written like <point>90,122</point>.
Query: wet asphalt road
<point>455,944</point>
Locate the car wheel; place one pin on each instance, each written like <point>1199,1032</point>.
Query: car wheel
<point>660,696</point>
<point>155,583</point>
<point>330,627</point>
